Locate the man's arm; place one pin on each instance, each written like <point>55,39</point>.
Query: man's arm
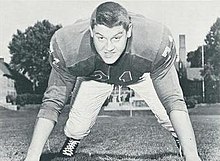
<point>170,94</point>
<point>166,83</point>
<point>42,130</point>
<point>60,85</point>
<point>54,99</point>
<point>182,125</point>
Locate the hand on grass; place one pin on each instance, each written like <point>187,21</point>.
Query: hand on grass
<point>195,158</point>
<point>32,158</point>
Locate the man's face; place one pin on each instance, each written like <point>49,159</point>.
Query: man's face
<point>110,42</point>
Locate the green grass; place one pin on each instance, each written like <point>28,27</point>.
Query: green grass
<point>116,138</point>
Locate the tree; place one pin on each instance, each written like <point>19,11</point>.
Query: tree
<point>22,84</point>
<point>195,58</point>
<point>30,52</point>
<point>212,62</point>
<point>211,71</point>
<point>212,55</point>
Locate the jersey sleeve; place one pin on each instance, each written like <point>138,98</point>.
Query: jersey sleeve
<point>166,55</point>
<point>60,85</point>
<point>164,76</point>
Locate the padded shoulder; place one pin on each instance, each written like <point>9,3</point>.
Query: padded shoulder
<point>146,36</point>
<point>74,42</point>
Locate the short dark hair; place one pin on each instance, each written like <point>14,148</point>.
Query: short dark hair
<point>110,14</point>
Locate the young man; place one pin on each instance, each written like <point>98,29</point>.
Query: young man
<point>112,48</point>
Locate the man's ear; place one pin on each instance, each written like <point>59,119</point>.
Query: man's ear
<point>91,32</point>
<point>129,31</point>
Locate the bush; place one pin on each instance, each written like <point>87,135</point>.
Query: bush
<point>11,99</point>
<point>23,99</point>
<point>191,101</point>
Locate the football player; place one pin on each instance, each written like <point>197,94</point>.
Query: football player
<point>113,47</point>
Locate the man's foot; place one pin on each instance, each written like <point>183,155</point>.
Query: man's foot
<point>179,146</point>
<point>69,147</point>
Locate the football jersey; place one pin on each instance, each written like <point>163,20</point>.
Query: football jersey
<point>150,49</point>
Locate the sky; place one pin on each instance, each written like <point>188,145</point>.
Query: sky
<point>192,18</point>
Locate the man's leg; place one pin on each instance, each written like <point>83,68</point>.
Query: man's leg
<point>89,99</point>
<point>146,90</point>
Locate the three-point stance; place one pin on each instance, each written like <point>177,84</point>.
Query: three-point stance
<point>113,47</point>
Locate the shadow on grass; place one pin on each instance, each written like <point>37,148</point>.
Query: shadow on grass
<point>48,156</point>
<point>101,157</point>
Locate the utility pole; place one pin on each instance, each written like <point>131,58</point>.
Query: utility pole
<point>203,78</point>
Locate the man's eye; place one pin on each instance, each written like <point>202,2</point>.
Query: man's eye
<point>116,38</point>
<point>101,38</point>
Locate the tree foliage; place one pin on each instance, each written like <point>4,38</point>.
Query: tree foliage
<point>212,63</point>
<point>211,71</point>
<point>212,54</point>
<point>195,58</point>
<point>29,53</point>
<point>22,84</point>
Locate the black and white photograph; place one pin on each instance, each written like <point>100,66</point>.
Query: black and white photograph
<point>107,80</point>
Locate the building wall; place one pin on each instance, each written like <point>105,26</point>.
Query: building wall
<point>6,87</point>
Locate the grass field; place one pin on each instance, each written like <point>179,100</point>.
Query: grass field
<point>115,138</point>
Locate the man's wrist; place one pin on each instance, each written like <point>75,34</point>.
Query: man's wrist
<point>32,158</point>
<point>33,155</point>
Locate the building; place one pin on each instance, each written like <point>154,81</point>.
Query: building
<point>7,84</point>
<point>192,82</point>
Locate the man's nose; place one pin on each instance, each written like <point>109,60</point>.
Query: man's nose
<point>109,45</point>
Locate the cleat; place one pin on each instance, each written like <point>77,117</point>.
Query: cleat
<point>179,146</point>
<point>69,147</point>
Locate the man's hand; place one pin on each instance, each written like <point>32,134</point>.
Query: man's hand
<point>32,158</point>
<point>182,125</point>
<point>194,158</point>
<point>41,133</point>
